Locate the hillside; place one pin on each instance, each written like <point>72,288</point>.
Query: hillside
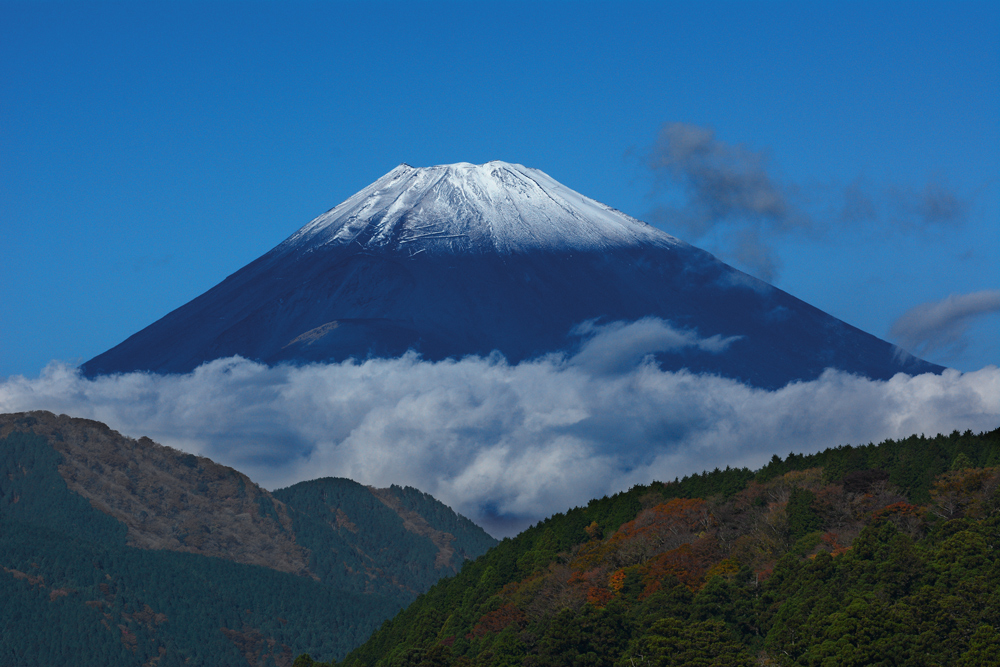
<point>145,553</point>
<point>874,555</point>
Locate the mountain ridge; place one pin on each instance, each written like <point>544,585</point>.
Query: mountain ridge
<point>168,499</point>
<point>140,554</point>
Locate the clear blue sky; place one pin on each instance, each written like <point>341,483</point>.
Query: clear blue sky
<point>150,149</point>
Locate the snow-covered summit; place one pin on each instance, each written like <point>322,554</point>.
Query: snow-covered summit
<point>493,207</point>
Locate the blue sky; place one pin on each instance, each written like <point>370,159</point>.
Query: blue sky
<point>149,149</point>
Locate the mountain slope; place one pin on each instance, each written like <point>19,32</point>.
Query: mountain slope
<point>144,551</point>
<point>467,259</point>
<point>879,554</point>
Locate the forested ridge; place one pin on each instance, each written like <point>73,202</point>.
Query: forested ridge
<point>871,555</point>
<point>76,589</point>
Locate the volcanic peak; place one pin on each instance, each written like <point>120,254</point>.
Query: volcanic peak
<point>495,207</point>
<point>464,259</point>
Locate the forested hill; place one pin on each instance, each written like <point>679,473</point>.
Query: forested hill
<point>116,551</point>
<point>397,540</point>
<point>882,554</point>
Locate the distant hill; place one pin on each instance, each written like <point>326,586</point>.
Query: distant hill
<point>874,555</point>
<point>117,551</point>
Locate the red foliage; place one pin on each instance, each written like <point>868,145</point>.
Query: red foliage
<point>833,545</point>
<point>658,529</point>
<point>674,517</point>
<point>592,577</point>
<point>498,619</point>
<point>687,563</point>
<point>897,508</point>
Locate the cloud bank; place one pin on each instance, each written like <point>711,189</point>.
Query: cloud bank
<point>506,444</point>
<point>942,325</point>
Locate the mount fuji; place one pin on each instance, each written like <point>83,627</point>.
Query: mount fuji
<point>463,259</point>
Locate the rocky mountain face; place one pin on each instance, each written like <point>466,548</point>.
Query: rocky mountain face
<point>465,259</point>
<point>168,499</point>
<point>127,538</point>
<point>171,500</point>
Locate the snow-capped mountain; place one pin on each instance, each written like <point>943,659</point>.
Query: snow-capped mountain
<point>493,208</point>
<point>467,259</point>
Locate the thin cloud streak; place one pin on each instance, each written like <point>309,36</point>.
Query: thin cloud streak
<point>939,326</point>
<point>505,444</point>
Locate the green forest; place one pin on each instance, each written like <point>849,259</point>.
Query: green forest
<point>373,537</point>
<point>883,554</point>
<point>872,555</point>
<point>74,594</point>
<point>76,589</point>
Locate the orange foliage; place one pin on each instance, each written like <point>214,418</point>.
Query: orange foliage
<point>807,479</point>
<point>616,581</point>
<point>589,555</point>
<point>745,498</point>
<point>658,529</point>
<point>960,492</point>
<point>593,531</point>
<point>589,577</point>
<point>599,596</point>
<point>511,588</point>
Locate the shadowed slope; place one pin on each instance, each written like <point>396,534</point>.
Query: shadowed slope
<point>461,259</point>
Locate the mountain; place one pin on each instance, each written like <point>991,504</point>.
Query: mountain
<point>465,259</point>
<point>872,555</point>
<point>144,553</point>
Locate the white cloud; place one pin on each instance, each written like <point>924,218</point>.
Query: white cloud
<point>941,325</point>
<point>619,346</point>
<point>506,444</point>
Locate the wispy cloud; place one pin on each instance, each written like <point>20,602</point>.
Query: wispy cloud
<point>506,444</point>
<point>721,186</point>
<point>721,180</point>
<point>894,208</point>
<point>940,326</point>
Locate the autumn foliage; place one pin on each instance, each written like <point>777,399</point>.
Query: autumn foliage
<point>812,560</point>
<point>497,620</point>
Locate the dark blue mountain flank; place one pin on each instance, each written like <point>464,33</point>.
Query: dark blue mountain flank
<point>464,259</point>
